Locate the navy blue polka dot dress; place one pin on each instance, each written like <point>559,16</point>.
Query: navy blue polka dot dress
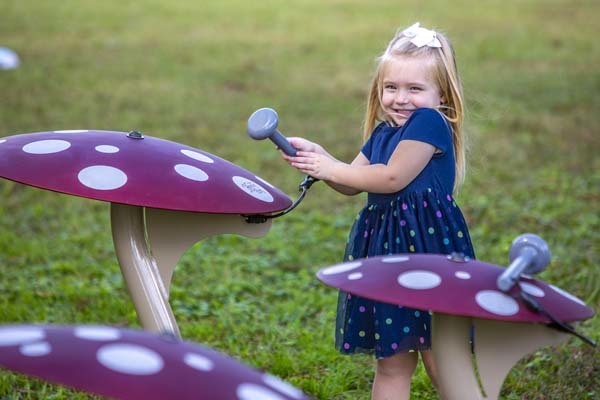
<point>421,218</point>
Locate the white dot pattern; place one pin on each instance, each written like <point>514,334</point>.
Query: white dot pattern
<point>72,131</point>
<point>49,146</point>
<point>443,285</point>
<point>197,156</point>
<point>419,280</point>
<point>355,276</point>
<point>108,149</point>
<point>531,289</point>
<point>130,359</point>
<point>36,349</point>
<point>190,172</point>
<point>15,336</point>
<point>102,177</point>
<point>395,259</point>
<point>497,302</point>
<point>198,362</point>
<point>133,360</point>
<point>105,176</point>
<point>251,391</point>
<point>97,333</point>
<point>341,268</point>
<point>462,275</point>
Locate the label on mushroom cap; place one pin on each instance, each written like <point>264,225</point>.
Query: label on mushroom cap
<point>253,189</point>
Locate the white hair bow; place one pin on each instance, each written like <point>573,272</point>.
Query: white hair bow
<point>421,36</point>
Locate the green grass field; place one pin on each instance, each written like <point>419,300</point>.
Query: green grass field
<point>193,71</point>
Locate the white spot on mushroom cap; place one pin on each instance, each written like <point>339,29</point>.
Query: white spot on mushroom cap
<point>355,276</point>
<point>531,289</point>
<point>197,156</point>
<point>15,336</point>
<point>2,141</point>
<point>39,349</point>
<point>102,177</point>
<point>395,259</point>
<point>253,189</point>
<point>105,148</point>
<point>72,131</point>
<point>567,295</point>
<point>198,362</point>
<point>97,333</point>
<point>130,359</point>
<point>48,146</point>
<point>419,280</point>
<point>341,268</point>
<point>462,275</point>
<point>190,172</point>
<point>252,391</point>
<point>282,386</point>
<point>497,302</point>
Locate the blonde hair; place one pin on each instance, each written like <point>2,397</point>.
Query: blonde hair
<point>445,74</point>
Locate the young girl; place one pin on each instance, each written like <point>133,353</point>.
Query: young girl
<point>412,162</point>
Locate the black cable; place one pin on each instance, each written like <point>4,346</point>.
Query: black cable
<point>534,306</point>
<point>303,188</point>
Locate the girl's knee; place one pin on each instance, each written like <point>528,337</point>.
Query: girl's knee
<point>398,364</point>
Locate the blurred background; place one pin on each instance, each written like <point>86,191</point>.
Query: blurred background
<point>193,72</point>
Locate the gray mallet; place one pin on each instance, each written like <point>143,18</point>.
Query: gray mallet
<point>529,254</point>
<point>262,124</point>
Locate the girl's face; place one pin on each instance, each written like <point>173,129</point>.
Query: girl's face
<point>407,85</point>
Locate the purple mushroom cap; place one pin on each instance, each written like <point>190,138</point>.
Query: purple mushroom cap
<point>134,365</point>
<point>147,171</point>
<point>446,285</point>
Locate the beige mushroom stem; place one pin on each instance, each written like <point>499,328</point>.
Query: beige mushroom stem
<point>498,346</point>
<point>149,242</point>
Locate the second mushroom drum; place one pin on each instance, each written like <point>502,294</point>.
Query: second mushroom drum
<point>463,294</point>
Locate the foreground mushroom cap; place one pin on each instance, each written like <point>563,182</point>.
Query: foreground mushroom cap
<point>142,171</point>
<point>449,285</point>
<point>134,365</point>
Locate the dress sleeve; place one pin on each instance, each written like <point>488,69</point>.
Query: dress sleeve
<point>367,148</point>
<point>429,126</point>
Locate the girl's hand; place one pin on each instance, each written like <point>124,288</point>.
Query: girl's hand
<point>305,145</point>
<point>301,144</point>
<point>314,164</point>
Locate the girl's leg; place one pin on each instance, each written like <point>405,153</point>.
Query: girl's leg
<point>430,367</point>
<point>393,375</point>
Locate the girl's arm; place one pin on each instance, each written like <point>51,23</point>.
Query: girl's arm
<point>408,160</point>
<point>359,160</point>
<point>304,145</point>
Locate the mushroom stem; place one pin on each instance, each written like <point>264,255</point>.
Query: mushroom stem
<point>149,242</point>
<point>172,233</point>
<point>140,270</point>
<point>451,352</point>
<point>496,356</point>
<point>498,347</point>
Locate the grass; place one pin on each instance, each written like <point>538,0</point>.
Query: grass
<point>193,72</point>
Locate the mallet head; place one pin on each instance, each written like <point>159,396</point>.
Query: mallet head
<point>262,123</point>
